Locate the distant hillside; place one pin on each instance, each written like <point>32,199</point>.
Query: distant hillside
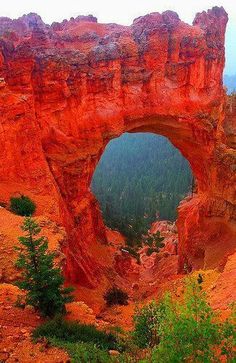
<point>230,83</point>
<point>141,176</point>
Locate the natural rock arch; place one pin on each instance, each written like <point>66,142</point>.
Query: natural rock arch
<point>69,88</point>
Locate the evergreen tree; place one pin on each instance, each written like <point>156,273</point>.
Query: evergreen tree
<point>154,242</point>
<point>42,281</point>
<point>139,177</point>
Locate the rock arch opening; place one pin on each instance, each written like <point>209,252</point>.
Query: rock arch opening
<point>140,178</point>
<point>67,89</point>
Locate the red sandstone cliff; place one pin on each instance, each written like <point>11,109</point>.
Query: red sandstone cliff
<point>69,88</point>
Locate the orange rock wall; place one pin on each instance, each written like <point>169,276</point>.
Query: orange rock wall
<point>67,89</point>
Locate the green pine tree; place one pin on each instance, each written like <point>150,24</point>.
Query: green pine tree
<point>154,242</point>
<point>42,281</point>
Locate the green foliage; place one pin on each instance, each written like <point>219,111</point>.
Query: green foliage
<point>116,296</point>
<point>23,206</point>
<point>83,352</point>
<point>42,281</point>
<point>228,336</point>
<point>169,331</point>
<point>154,242</point>
<point>139,177</point>
<point>186,331</point>
<point>133,230</point>
<point>146,324</point>
<point>74,332</point>
<point>86,344</point>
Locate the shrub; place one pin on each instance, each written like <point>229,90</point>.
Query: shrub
<point>154,242</point>
<point>116,296</point>
<point>188,331</point>
<point>146,324</point>
<point>42,281</point>
<point>73,332</point>
<point>83,352</point>
<point>23,206</point>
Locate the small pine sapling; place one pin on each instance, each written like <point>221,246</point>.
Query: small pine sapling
<point>42,281</point>
<point>154,242</point>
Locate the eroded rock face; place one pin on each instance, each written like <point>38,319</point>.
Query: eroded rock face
<point>67,89</point>
<point>10,231</point>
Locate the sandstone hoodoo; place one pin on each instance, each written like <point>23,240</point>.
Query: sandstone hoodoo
<point>67,89</point>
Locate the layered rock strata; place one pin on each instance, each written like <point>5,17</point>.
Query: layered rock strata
<point>67,89</point>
